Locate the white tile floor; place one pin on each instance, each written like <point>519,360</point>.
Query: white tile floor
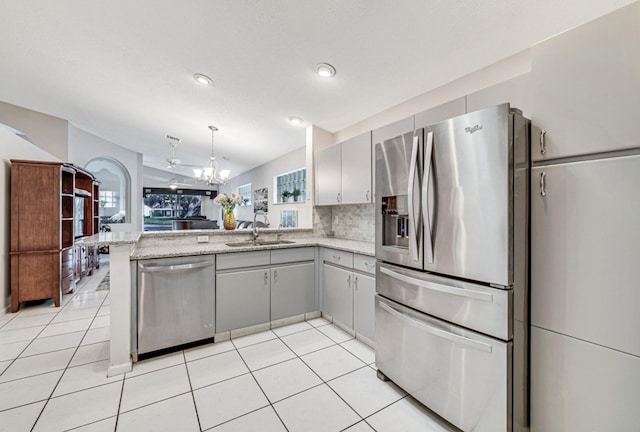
<point>308,376</point>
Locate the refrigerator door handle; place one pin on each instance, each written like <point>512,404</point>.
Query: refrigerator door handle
<point>413,169</point>
<point>478,295</point>
<point>457,339</point>
<point>425,198</point>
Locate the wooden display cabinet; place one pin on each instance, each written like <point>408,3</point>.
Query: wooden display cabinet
<point>44,226</point>
<point>41,229</point>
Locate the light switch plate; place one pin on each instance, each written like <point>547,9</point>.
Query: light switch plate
<point>202,239</point>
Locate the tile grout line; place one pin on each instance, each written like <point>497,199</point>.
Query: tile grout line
<point>366,365</point>
<point>66,367</point>
<point>193,396</point>
<point>259,386</point>
<point>321,379</point>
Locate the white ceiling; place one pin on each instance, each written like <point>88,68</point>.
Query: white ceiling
<point>123,69</point>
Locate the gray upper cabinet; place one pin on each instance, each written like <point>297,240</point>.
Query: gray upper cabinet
<point>356,170</point>
<point>392,130</point>
<point>439,113</point>
<point>516,91</point>
<point>586,87</point>
<point>328,175</point>
<point>343,172</point>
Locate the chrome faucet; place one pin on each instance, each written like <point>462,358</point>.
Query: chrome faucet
<point>255,232</point>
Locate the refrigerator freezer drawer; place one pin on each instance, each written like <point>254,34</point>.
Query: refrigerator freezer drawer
<point>486,310</point>
<point>459,374</point>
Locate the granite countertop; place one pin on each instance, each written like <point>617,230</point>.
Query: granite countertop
<point>157,251</point>
<point>109,238</point>
<point>183,243</point>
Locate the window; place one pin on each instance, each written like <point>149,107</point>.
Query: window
<point>109,199</point>
<point>163,205</point>
<point>291,186</point>
<point>115,187</point>
<point>245,191</point>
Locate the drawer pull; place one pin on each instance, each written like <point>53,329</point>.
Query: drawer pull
<point>456,339</point>
<point>543,184</point>
<point>479,295</point>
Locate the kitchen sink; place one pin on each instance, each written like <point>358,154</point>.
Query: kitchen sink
<point>249,243</point>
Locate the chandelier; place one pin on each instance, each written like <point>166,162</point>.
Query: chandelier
<point>210,175</point>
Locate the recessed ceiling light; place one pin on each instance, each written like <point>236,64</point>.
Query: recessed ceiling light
<point>325,70</point>
<point>296,121</point>
<point>203,79</point>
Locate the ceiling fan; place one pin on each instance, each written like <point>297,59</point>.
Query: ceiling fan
<point>172,162</point>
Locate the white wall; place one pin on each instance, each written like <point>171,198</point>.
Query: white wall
<point>83,147</point>
<point>11,147</point>
<point>496,73</point>
<point>263,177</point>
<point>47,132</point>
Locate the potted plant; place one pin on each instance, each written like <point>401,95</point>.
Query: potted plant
<point>285,195</point>
<point>296,193</point>
<point>228,203</point>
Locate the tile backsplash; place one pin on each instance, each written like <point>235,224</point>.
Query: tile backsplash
<point>353,221</point>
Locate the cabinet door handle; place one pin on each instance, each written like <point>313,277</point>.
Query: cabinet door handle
<point>355,283</point>
<point>367,195</point>
<point>275,275</point>
<point>543,183</point>
<point>349,281</point>
<point>266,278</point>
<point>543,144</point>
<point>338,197</point>
<point>336,257</point>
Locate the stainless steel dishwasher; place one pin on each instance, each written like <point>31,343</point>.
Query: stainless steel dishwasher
<point>176,302</point>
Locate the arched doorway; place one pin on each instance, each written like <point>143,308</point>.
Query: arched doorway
<point>115,190</point>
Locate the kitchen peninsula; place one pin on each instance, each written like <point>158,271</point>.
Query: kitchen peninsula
<point>355,258</point>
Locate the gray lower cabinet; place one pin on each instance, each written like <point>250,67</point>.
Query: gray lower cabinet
<point>261,286</point>
<point>338,294</point>
<point>348,287</point>
<point>364,291</point>
<point>580,386</point>
<point>242,299</point>
<point>292,290</point>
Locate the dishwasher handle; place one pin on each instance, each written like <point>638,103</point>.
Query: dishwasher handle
<point>148,268</point>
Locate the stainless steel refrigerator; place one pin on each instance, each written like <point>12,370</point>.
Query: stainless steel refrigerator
<point>452,242</point>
